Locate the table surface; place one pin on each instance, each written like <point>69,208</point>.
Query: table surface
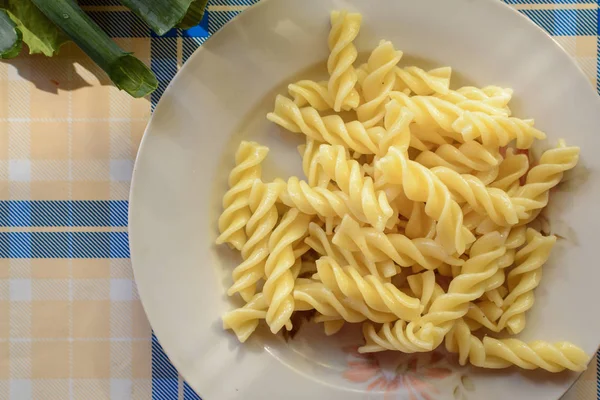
<point>71,322</point>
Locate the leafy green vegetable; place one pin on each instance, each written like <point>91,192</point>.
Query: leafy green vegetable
<point>39,33</point>
<point>194,14</point>
<point>163,15</point>
<point>10,37</point>
<point>127,72</point>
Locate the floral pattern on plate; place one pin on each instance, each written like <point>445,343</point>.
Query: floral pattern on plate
<point>395,376</point>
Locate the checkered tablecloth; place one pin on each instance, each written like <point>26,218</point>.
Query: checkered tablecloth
<point>71,323</point>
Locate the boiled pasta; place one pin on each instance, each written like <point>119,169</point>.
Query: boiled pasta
<point>413,218</point>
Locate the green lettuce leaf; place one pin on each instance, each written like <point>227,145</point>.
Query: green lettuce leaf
<point>39,33</point>
<point>164,15</point>
<point>127,72</point>
<point>194,14</point>
<point>10,37</point>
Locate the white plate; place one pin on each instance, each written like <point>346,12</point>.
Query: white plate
<point>222,95</point>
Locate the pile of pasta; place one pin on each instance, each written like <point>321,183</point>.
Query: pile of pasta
<point>412,219</point>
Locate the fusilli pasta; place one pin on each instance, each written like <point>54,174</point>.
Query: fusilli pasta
<point>313,295</point>
<point>236,214</point>
<point>421,82</point>
<point>256,250</point>
<point>372,206</point>
<point>502,353</point>
<point>420,184</point>
<point>414,215</point>
<point>311,93</point>
<point>464,158</point>
<point>377,295</point>
<point>378,246</point>
<point>378,82</point>
<point>512,169</point>
<point>485,200</point>
<point>329,129</point>
<point>494,96</point>
<point>342,76</point>
<point>523,280</point>
<point>432,112</point>
<point>279,286</point>
<point>546,175</point>
<point>497,130</point>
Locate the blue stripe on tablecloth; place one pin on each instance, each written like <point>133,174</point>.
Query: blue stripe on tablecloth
<point>188,393</point>
<point>566,22</point>
<point>64,245</point>
<point>165,378</point>
<point>232,2</point>
<point>63,213</point>
<point>163,62</point>
<point>598,61</point>
<point>598,375</point>
<point>550,1</point>
<point>216,19</point>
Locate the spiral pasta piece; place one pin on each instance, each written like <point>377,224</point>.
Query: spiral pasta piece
<point>514,167</point>
<point>497,130</point>
<point>495,292</point>
<point>396,337</point>
<point>464,158</point>
<point>310,164</point>
<point>482,264</point>
<point>256,250</point>
<point>330,129</point>
<point>376,294</point>
<point>279,286</point>
<point>484,313</point>
<point>524,279</point>
<point>419,224</point>
<point>342,75</point>
<point>545,176</point>
<point>313,295</point>
<point>236,214</point>
<point>502,353</point>
<point>494,102</point>
<point>493,202</point>
<point>420,184</point>
<point>331,325</point>
<point>424,286</point>
<point>244,321</point>
<point>373,206</point>
<point>469,348</point>
<point>425,138</point>
<point>378,83</point>
<point>322,243</point>
<point>379,246</point>
<point>468,286</point>
<point>311,93</point>
<point>313,200</point>
<point>397,132</point>
<point>494,96</point>
<point>431,113</point>
<point>421,82</point>
<point>552,357</point>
